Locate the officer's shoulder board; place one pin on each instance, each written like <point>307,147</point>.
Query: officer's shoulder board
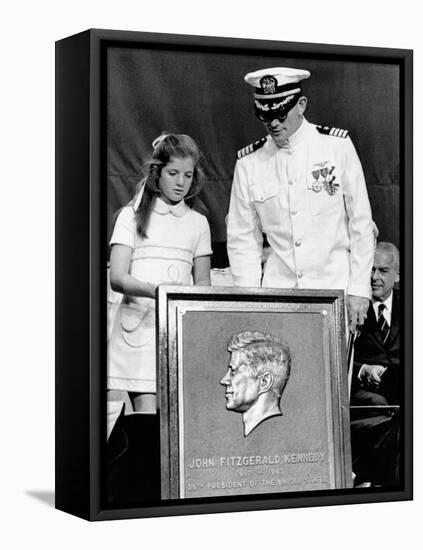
<point>331,131</point>
<point>251,148</point>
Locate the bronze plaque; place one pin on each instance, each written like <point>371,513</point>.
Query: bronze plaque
<point>268,421</point>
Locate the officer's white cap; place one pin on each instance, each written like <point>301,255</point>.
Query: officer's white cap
<point>281,75</point>
<point>276,90</point>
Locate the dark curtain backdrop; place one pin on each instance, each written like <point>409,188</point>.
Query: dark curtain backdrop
<point>204,95</point>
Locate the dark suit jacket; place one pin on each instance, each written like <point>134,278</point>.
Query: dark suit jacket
<point>369,349</point>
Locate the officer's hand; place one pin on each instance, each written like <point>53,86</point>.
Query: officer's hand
<point>371,375</point>
<point>357,310</point>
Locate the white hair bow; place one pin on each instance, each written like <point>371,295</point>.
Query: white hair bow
<point>158,141</point>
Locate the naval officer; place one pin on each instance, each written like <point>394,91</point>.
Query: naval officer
<point>303,187</point>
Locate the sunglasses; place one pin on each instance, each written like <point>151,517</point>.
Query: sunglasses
<point>269,116</point>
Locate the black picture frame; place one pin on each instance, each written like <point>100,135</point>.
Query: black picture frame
<point>81,254</point>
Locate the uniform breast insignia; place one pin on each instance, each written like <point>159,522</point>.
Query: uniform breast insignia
<point>251,148</point>
<point>324,178</point>
<point>331,131</point>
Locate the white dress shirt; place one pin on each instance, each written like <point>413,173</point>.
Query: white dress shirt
<point>387,311</point>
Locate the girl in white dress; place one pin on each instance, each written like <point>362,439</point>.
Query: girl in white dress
<point>158,238</point>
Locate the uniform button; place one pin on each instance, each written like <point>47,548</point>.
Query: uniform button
<point>298,243</point>
<point>291,182</point>
<point>294,212</point>
<point>300,274</point>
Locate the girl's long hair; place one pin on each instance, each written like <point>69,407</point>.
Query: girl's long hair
<point>165,147</point>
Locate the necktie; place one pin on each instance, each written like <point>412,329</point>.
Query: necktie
<point>382,323</point>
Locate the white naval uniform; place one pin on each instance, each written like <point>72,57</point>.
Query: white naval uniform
<point>317,239</point>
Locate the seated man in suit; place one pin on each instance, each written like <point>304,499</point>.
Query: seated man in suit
<point>377,377</point>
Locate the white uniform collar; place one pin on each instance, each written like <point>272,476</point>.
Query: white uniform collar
<point>299,134</point>
<point>296,137</point>
<point>178,210</point>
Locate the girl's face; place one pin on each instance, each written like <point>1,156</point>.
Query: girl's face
<point>175,179</point>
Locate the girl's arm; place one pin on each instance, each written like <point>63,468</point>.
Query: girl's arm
<point>201,271</point>
<point>120,279</point>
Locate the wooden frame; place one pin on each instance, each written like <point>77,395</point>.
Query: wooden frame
<point>81,255</point>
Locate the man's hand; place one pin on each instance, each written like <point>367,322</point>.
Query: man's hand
<point>357,307</point>
<point>371,375</point>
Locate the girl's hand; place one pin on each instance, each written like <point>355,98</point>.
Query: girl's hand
<point>120,278</point>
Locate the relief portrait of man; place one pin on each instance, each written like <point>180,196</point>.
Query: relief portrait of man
<point>259,369</point>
